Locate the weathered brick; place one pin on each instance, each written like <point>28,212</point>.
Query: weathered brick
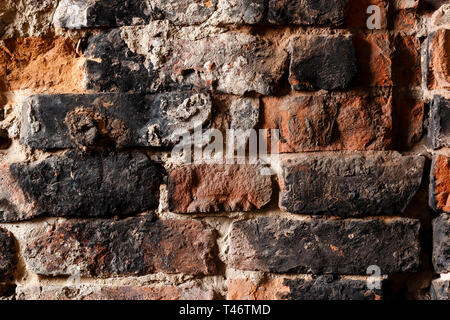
<point>441,244</point>
<point>42,64</point>
<point>406,4</point>
<point>229,62</point>
<point>440,289</point>
<point>406,61</point>
<point>7,256</point>
<point>409,116</point>
<point>350,185</point>
<point>440,184</point>
<point>77,14</point>
<point>76,185</point>
<point>348,121</point>
<point>96,292</point>
<point>125,120</point>
<point>436,69</point>
<point>356,13</point>
<point>306,12</point>
<point>373,52</point>
<point>322,62</point>
<point>440,122</point>
<point>131,247</point>
<point>214,187</point>
<point>284,288</point>
<point>239,12</point>
<point>325,246</point>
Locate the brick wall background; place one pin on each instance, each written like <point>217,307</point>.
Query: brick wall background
<point>93,93</point>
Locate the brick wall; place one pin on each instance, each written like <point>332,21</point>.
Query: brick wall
<point>353,202</point>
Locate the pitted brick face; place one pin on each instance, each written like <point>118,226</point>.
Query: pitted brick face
<point>8,258</point>
<point>132,247</point>
<point>317,246</point>
<point>77,185</point>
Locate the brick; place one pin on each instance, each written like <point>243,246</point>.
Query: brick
<point>322,62</point>
<point>356,13</point>
<point>77,185</point>
<point>123,120</point>
<point>42,64</point>
<point>436,69</point>
<point>440,289</point>
<point>239,12</point>
<point>229,62</point>
<point>406,4</point>
<point>439,184</point>
<point>324,246</point>
<point>8,257</point>
<point>320,288</point>
<point>215,187</point>
<point>373,52</point>
<point>98,292</point>
<point>77,14</point>
<point>439,122</point>
<point>406,61</point>
<point>131,247</point>
<point>441,244</point>
<point>319,13</point>
<point>347,121</point>
<point>350,185</point>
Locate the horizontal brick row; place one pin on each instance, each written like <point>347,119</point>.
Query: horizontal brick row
<point>350,185</point>
<point>96,292</point>
<point>123,120</point>
<point>77,185</point>
<point>293,288</point>
<point>131,247</point>
<point>281,245</point>
<point>8,258</point>
<point>77,14</point>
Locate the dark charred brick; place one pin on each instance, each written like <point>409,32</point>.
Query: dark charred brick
<point>229,62</point>
<point>125,120</point>
<point>307,12</point>
<point>7,256</point>
<point>440,289</point>
<point>325,246</point>
<point>441,244</point>
<point>96,292</point>
<point>131,247</point>
<point>214,187</point>
<point>350,185</point>
<point>292,288</point>
<point>77,14</point>
<point>322,62</point>
<point>440,122</point>
<point>75,185</point>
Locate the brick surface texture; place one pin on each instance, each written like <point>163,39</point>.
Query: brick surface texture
<point>224,149</point>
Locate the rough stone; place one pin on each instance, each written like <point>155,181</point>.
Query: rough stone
<point>440,122</point>
<point>440,289</point>
<point>322,62</point>
<point>8,257</point>
<point>325,246</point>
<point>350,185</point>
<point>131,247</point>
<point>321,288</point>
<point>348,121</point>
<point>441,244</point>
<point>216,187</point>
<point>96,292</point>
<point>229,62</point>
<point>76,185</point>
<point>125,120</point>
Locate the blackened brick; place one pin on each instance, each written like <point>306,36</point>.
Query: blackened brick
<point>325,246</point>
<point>125,120</point>
<point>75,185</point>
<point>322,62</point>
<point>7,256</point>
<point>350,185</point>
<point>440,122</point>
<point>441,244</point>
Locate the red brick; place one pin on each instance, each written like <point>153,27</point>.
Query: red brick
<point>212,188</point>
<point>440,184</point>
